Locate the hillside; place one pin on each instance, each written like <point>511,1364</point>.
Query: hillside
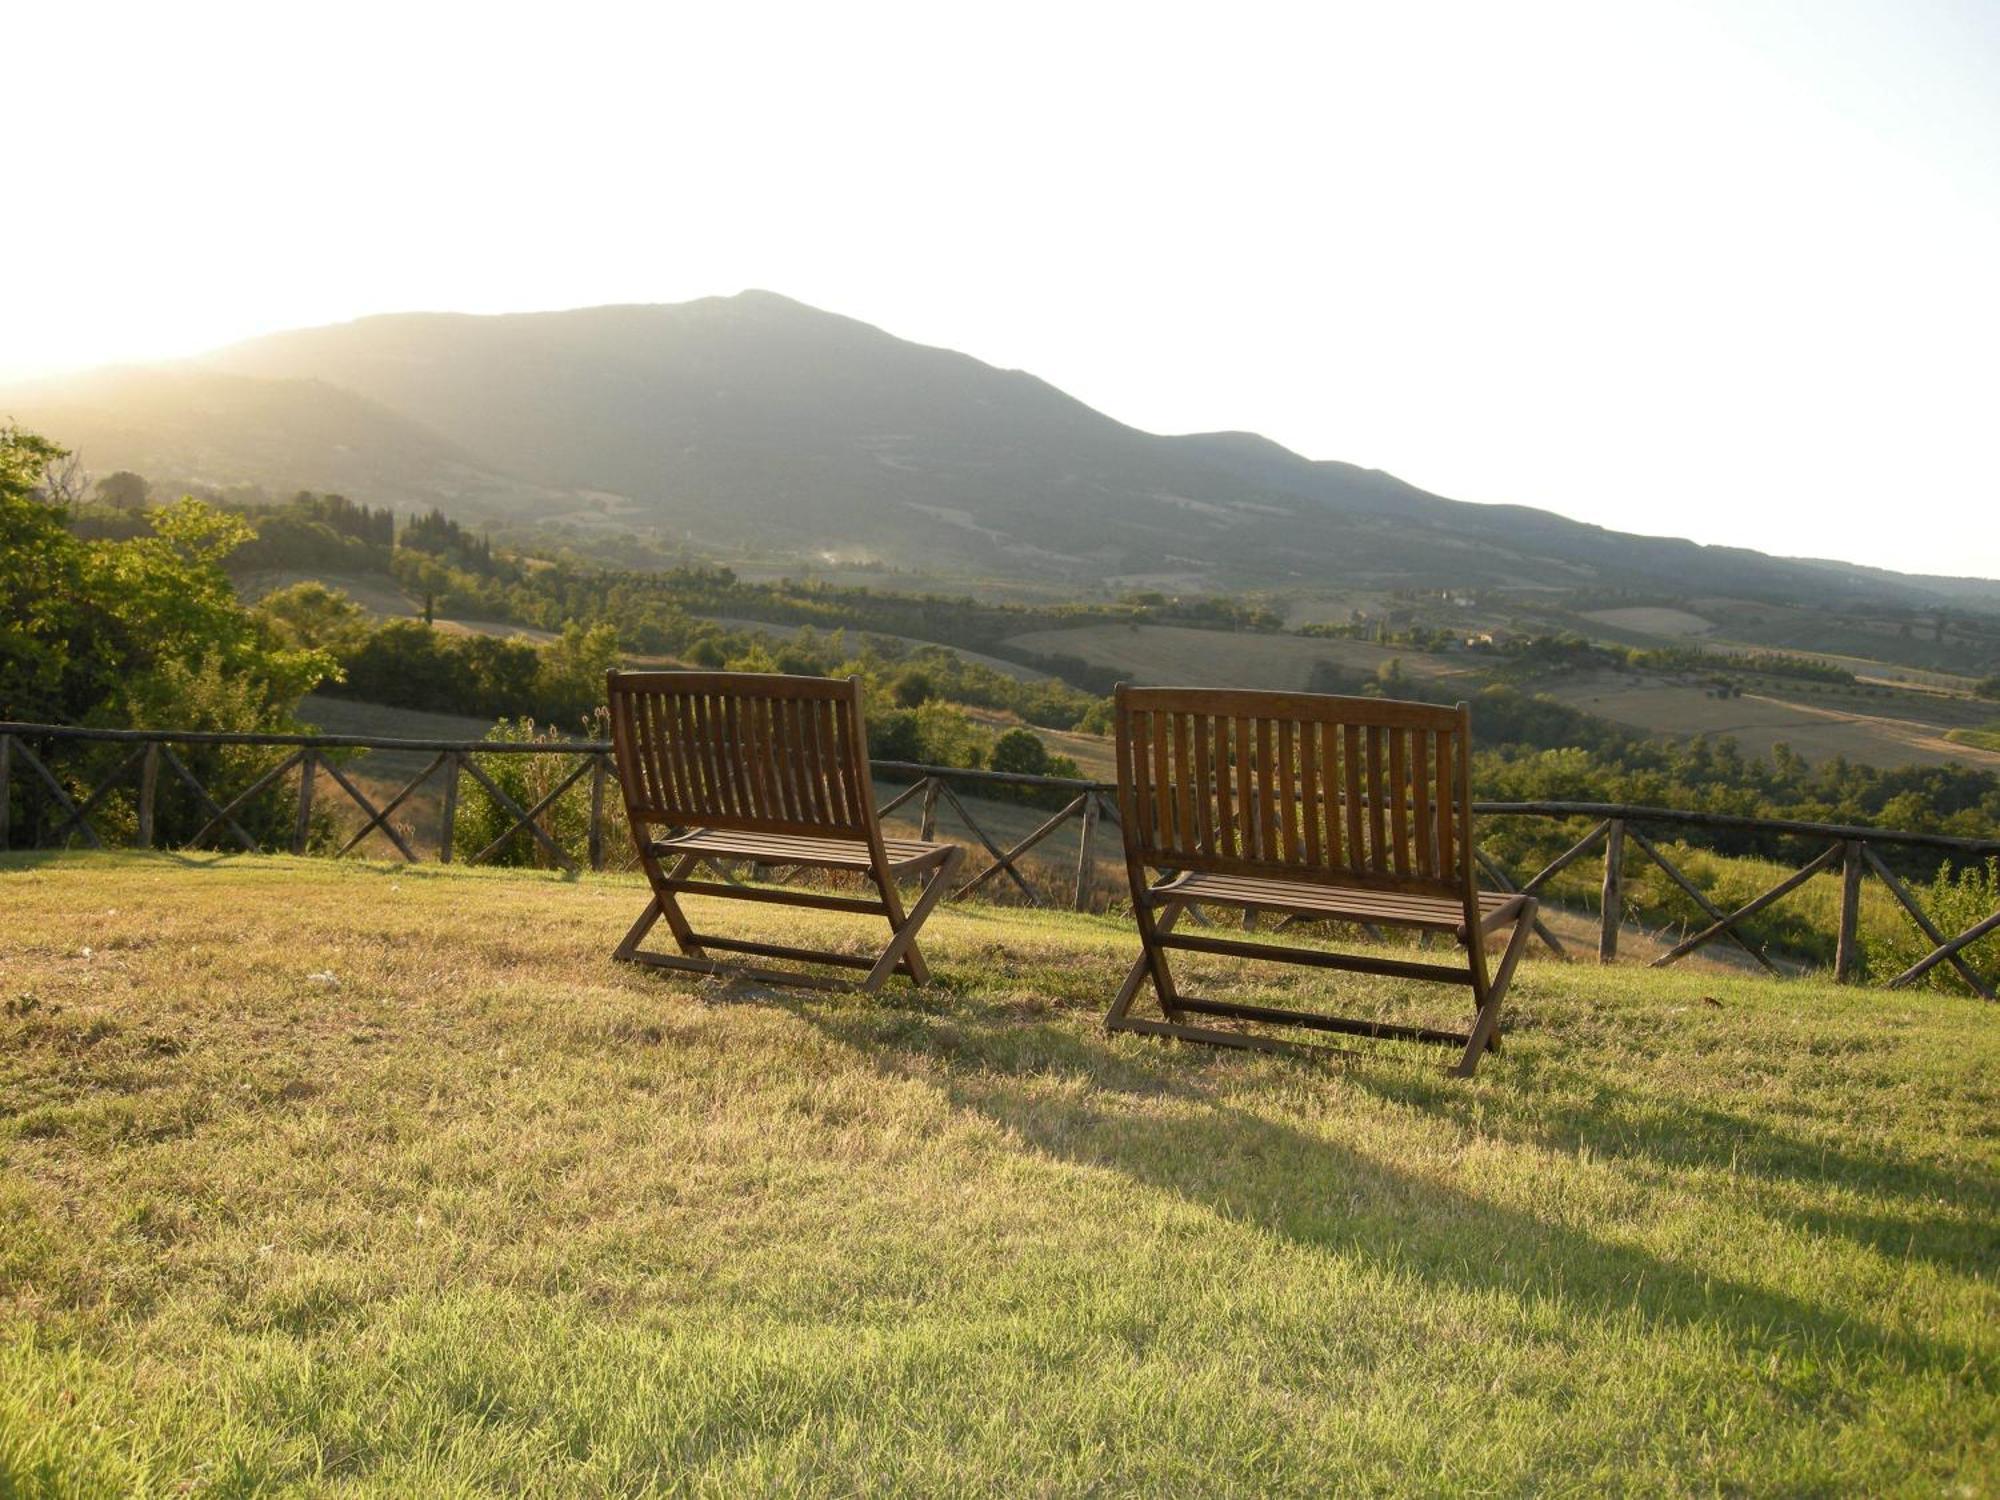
<point>756,422</point>
<point>197,427</point>
<point>384,1181</point>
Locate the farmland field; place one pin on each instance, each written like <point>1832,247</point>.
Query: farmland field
<point>785,632</point>
<point>382,597</point>
<point>1217,658</point>
<point>1757,722</point>
<point>377,593</point>
<point>376,1181</point>
<point>1653,621</point>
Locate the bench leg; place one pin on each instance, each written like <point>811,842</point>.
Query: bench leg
<point>1151,962</point>
<point>903,939</point>
<point>663,904</point>
<point>1486,1025</point>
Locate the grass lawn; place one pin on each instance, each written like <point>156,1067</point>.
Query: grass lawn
<point>352,1179</point>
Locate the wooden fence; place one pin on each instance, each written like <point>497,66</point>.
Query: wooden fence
<point>1618,832</point>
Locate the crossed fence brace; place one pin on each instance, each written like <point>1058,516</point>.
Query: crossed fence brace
<point>1852,849</point>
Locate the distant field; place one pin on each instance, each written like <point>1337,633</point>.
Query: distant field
<point>1870,641</point>
<point>785,632</point>
<point>494,627</point>
<point>347,716</point>
<point>375,592</point>
<point>380,596</point>
<point>1979,739</point>
<point>1757,722</point>
<point>1649,621</point>
<point>1216,658</point>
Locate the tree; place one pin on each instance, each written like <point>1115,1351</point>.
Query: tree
<point>1022,753</point>
<point>573,669</point>
<point>309,614</point>
<point>40,569</point>
<point>140,632</point>
<point>122,490</point>
<point>85,624</point>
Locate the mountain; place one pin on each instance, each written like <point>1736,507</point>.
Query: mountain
<point>755,421</point>
<point>199,427</point>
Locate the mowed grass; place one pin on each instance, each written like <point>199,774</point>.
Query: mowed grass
<point>348,1179</point>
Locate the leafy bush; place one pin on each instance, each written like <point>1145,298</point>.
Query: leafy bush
<point>139,632</point>
<point>527,779</point>
<point>1954,901</point>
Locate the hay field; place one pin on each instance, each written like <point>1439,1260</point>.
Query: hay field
<point>1757,722</point>
<point>1647,620</point>
<point>1181,654</point>
<point>377,593</point>
<point>978,658</point>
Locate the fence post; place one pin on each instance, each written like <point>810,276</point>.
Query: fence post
<point>450,814</point>
<point>6,767</point>
<point>149,786</point>
<point>1086,863</point>
<point>927,823</point>
<point>307,765</point>
<point>1847,953</point>
<point>597,812</point>
<point>1612,910</point>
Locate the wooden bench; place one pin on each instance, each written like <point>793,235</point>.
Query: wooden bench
<point>1356,810</point>
<point>718,766</point>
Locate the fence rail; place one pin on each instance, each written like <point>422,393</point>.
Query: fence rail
<point>1616,833</point>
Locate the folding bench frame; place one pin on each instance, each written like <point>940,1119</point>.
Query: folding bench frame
<point>1348,809</point>
<point>771,769</point>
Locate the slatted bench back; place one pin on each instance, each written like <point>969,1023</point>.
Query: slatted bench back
<point>1345,791</point>
<point>743,751</point>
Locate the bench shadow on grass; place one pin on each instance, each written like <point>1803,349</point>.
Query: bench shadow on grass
<point>1659,1138</point>
<point>1318,1193</point>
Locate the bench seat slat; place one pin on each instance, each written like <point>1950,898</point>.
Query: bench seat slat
<point>1354,903</point>
<point>788,849</point>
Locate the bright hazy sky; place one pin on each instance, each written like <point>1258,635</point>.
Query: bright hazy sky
<point>1723,269</point>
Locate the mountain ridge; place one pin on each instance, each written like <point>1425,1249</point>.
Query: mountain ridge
<point>756,419</point>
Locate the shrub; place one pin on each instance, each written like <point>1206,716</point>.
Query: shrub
<point>527,779</point>
<point>1953,901</point>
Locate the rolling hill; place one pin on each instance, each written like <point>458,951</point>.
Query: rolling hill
<point>200,427</point>
<point>755,421</point>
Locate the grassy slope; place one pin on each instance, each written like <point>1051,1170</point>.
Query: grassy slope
<point>484,1210</point>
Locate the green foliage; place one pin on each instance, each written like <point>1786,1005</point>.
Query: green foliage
<point>1988,687</point>
<point>1022,752</point>
<point>41,579</point>
<point>527,779</point>
<point>936,734</point>
<point>84,624</point>
<point>1980,739</point>
<point>122,490</point>
<point>328,532</point>
<point>1955,899</point>
<point>313,616</point>
<point>444,539</point>
<point>408,664</point>
<point>143,632</point>
<point>569,681</point>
